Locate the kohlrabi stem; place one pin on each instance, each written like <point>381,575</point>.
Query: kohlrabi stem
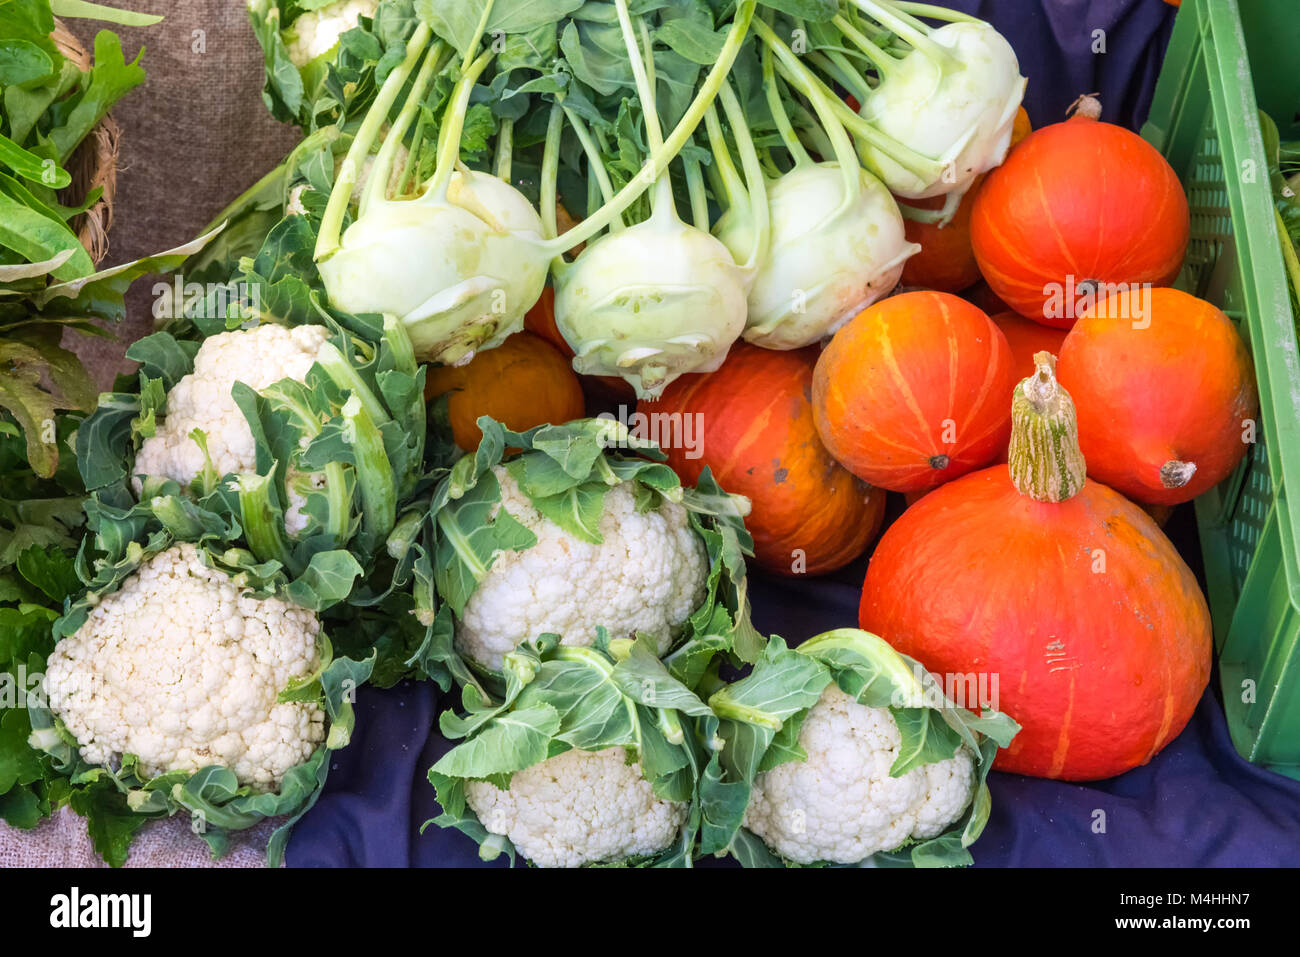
<point>777,108</point>
<point>698,195</point>
<point>643,73</point>
<point>882,61</point>
<point>479,30</point>
<point>732,186</point>
<point>806,83</point>
<point>836,64</point>
<point>331,228</point>
<point>409,165</point>
<point>505,153</point>
<point>382,169</point>
<point>549,195</point>
<point>755,179</point>
<point>640,75</point>
<point>810,132</point>
<point>595,161</point>
<point>922,167</point>
<point>913,31</point>
<point>934,12</point>
<point>673,143</point>
<point>453,124</point>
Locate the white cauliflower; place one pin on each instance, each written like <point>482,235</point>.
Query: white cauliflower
<point>316,31</point>
<point>647,576</point>
<point>201,400</point>
<point>841,805</point>
<point>578,808</point>
<point>181,670</point>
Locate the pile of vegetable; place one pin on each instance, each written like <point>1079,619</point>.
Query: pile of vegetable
<point>347,462</point>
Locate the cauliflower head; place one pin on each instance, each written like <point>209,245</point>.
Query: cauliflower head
<point>181,670</point>
<point>258,358</point>
<point>577,808</point>
<point>841,805</point>
<point>316,31</point>
<point>647,576</point>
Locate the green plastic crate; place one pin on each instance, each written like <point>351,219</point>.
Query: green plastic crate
<point>1227,59</point>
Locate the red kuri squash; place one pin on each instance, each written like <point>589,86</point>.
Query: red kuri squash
<point>912,392</point>
<point>1064,597</point>
<point>1166,394</point>
<point>755,432</point>
<point>1076,207</point>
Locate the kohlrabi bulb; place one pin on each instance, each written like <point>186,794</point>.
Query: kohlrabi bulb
<point>961,116</point>
<point>829,257</point>
<point>650,303</point>
<point>459,273</point>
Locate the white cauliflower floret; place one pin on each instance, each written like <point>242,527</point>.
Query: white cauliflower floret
<point>257,357</point>
<point>578,808</point>
<point>841,805</point>
<point>647,576</point>
<point>316,31</point>
<point>180,669</point>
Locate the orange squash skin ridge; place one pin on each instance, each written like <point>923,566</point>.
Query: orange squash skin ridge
<point>910,379</point>
<point>1102,668</point>
<point>759,441</point>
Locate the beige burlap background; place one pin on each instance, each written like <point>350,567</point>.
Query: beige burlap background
<point>193,137</point>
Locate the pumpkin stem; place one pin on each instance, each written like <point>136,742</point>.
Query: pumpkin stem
<point>1044,457</point>
<point>1087,106</point>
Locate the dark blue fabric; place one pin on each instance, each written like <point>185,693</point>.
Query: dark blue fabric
<point>1054,41</point>
<point>1196,803</point>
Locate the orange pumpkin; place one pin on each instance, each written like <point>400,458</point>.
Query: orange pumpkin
<point>1056,587</point>
<point>756,434</point>
<point>521,383</point>
<point>946,261</point>
<point>1077,206</point>
<point>912,392</point>
<point>1166,394</point>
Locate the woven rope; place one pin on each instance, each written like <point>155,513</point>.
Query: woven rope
<point>93,164</point>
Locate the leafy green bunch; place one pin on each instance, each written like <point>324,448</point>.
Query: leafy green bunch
<point>48,106</point>
<point>41,525</point>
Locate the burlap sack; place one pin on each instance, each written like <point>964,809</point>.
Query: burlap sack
<point>194,136</point>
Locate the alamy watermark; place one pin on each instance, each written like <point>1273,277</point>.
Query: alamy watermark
<point>970,690</point>
<point>668,430</point>
<point>1071,299</point>
<point>205,300</point>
